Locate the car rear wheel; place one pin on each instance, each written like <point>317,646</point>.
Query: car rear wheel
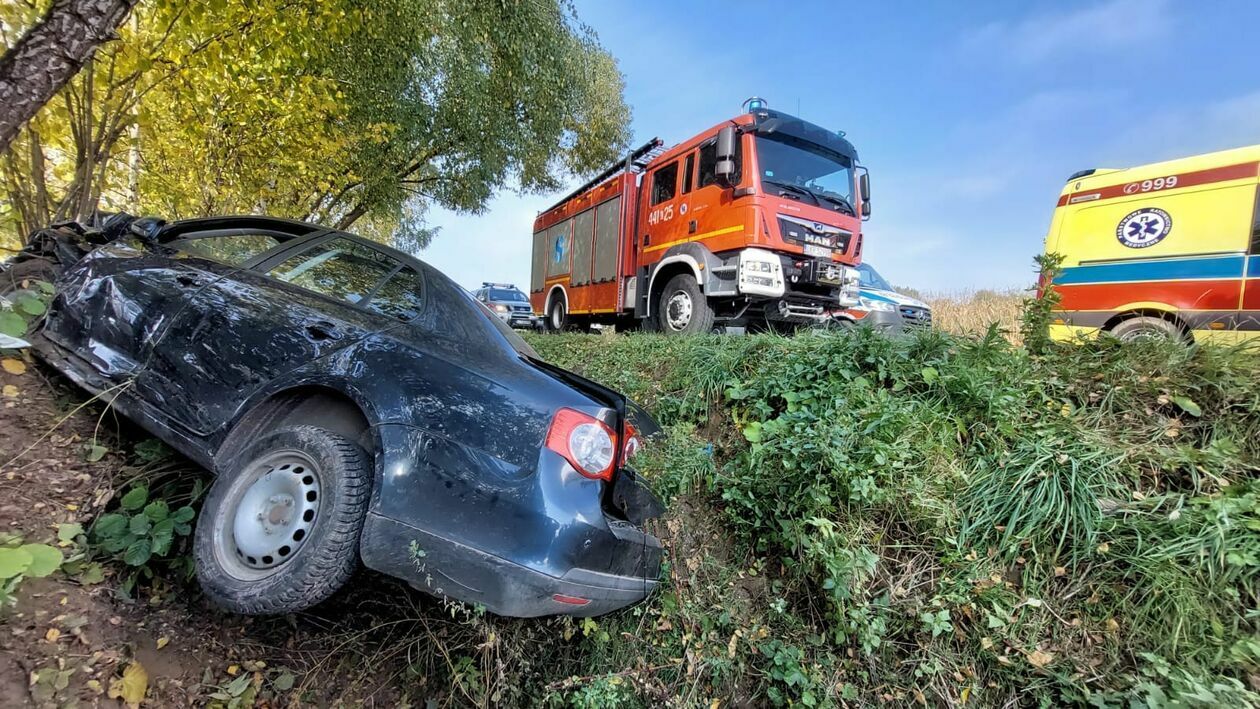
<point>1147,328</point>
<point>682,308</point>
<point>279,531</point>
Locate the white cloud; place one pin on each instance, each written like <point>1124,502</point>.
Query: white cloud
<point>1189,130</point>
<point>1115,26</point>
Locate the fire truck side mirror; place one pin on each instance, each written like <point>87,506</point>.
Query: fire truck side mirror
<point>864,187</point>
<point>725,168</point>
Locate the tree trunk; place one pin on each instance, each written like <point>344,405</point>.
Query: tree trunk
<point>49,54</point>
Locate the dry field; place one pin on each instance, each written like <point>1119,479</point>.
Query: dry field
<point>971,312</point>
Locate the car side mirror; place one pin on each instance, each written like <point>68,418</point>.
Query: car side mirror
<point>724,170</point>
<point>146,228</point>
<point>864,188</point>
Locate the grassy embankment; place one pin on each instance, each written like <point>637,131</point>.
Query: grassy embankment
<point>935,518</point>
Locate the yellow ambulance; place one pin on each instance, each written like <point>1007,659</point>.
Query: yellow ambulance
<point>1170,249</point>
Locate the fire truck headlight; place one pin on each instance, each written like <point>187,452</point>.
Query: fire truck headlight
<point>760,273</point>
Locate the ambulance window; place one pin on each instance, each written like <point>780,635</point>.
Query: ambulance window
<point>689,170</point>
<point>664,183</point>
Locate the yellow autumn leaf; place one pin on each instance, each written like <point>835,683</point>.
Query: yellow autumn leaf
<point>233,669</point>
<point>1037,658</point>
<point>162,642</point>
<point>132,686</point>
<point>13,366</point>
<point>52,635</point>
<point>10,391</point>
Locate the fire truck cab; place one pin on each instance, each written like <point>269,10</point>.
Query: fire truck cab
<point>755,222</point>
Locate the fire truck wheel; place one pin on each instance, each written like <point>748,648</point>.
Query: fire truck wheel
<point>556,316</point>
<point>682,308</point>
<point>1147,328</point>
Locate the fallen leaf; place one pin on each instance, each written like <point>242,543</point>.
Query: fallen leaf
<point>233,669</point>
<point>284,682</point>
<point>131,687</point>
<point>1060,571</point>
<point>10,391</point>
<point>1037,658</point>
<point>163,642</point>
<point>13,366</point>
<point>1112,625</point>
<point>1187,405</point>
<point>1104,548</point>
<point>52,635</point>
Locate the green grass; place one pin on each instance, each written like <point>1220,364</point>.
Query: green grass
<point>940,517</point>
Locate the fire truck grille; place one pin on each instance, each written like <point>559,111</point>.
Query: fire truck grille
<point>916,317</point>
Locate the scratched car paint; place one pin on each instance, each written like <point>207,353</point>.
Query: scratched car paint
<point>349,397</point>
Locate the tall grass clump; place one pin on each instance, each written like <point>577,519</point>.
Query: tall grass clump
<point>859,519</point>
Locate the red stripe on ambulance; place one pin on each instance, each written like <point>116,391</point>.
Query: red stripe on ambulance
<point>1168,182</point>
<point>1185,295</point>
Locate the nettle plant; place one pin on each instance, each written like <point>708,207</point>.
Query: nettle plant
<point>143,530</point>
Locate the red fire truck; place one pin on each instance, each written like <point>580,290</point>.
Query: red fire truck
<point>755,222</point>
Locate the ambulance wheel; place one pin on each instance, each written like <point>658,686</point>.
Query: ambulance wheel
<point>1147,328</point>
<point>683,309</point>
<point>557,318</point>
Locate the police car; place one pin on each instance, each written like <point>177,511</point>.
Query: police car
<point>508,303</point>
<point>882,307</point>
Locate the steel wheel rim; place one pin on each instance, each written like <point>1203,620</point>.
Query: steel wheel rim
<point>1147,333</point>
<point>270,512</point>
<point>678,310</point>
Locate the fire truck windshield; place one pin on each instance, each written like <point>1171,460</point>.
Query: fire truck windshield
<point>799,164</point>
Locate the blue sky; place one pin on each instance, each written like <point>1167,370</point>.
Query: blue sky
<point>970,116</point>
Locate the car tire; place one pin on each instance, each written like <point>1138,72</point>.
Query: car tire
<point>1147,328</point>
<point>35,269</point>
<point>557,318</point>
<point>682,308</point>
<point>310,490</point>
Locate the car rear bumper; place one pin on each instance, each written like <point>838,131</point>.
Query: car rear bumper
<point>449,569</point>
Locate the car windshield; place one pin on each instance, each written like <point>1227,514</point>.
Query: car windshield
<point>871,278</point>
<point>510,295</point>
<point>789,161</point>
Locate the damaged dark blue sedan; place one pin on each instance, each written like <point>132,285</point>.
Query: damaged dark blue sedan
<point>354,403</point>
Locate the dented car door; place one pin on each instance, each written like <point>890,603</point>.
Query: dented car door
<point>249,327</point>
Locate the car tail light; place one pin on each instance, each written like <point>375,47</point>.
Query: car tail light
<point>585,441</point>
<point>633,442</point>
